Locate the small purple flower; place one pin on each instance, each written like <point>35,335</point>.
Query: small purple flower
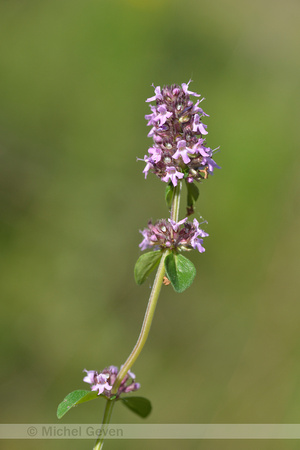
<point>114,370</point>
<point>200,232</point>
<point>145,242</point>
<point>182,151</point>
<point>130,374</point>
<point>148,166</point>
<point>185,89</point>
<point>197,109</point>
<point>132,387</point>
<point>151,117</point>
<point>197,244</point>
<point>90,376</point>
<point>102,384</point>
<point>172,174</point>
<point>211,164</point>
<point>99,382</point>
<point>198,126</point>
<point>176,225</point>
<point>156,153</point>
<point>163,115</point>
<point>200,149</point>
<point>157,95</point>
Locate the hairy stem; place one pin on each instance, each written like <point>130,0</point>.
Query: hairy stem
<point>152,301</point>
<point>176,202</point>
<point>106,419</point>
<point>146,323</point>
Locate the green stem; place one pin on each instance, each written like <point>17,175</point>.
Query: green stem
<point>152,301</point>
<point>106,419</point>
<point>176,202</point>
<point>146,323</point>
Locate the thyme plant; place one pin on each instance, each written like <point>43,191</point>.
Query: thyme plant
<point>178,155</point>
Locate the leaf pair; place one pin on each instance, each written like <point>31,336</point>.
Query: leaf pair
<point>139,405</point>
<point>180,270</point>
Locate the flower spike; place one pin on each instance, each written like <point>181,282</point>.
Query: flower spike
<point>178,134</point>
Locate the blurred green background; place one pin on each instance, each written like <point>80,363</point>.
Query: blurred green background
<point>74,76</point>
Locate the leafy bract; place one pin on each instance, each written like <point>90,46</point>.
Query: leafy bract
<point>73,399</point>
<point>169,194</point>
<point>145,264</point>
<point>192,196</point>
<point>139,405</point>
<point>180,271</point>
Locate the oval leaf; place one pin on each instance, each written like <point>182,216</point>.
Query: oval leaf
<point>139,405</point>
<point>180,271</point>
<point>145,264</point>
<point>73,399</point>
<point>192,192</point>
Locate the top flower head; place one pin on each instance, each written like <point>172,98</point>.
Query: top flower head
<point>177,131</point>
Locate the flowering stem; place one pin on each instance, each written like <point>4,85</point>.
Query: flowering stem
<point>152,301</point>
<point>106,419</point>
<point>146,324</point>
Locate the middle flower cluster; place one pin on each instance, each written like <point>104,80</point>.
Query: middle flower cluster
<point>168,234</point>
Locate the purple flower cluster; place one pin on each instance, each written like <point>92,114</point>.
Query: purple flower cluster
<point>168,234</point>
<point>177,130</point>
<point>103,381</point>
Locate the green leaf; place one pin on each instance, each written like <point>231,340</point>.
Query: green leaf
<point>139,405</point>
<point>180,271</point>
<point>169,194</point>
<point>145,264</point>
<point>73,399</point>
<point>192,196</point>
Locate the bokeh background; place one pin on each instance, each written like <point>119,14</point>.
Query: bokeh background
<point>74,76</point>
